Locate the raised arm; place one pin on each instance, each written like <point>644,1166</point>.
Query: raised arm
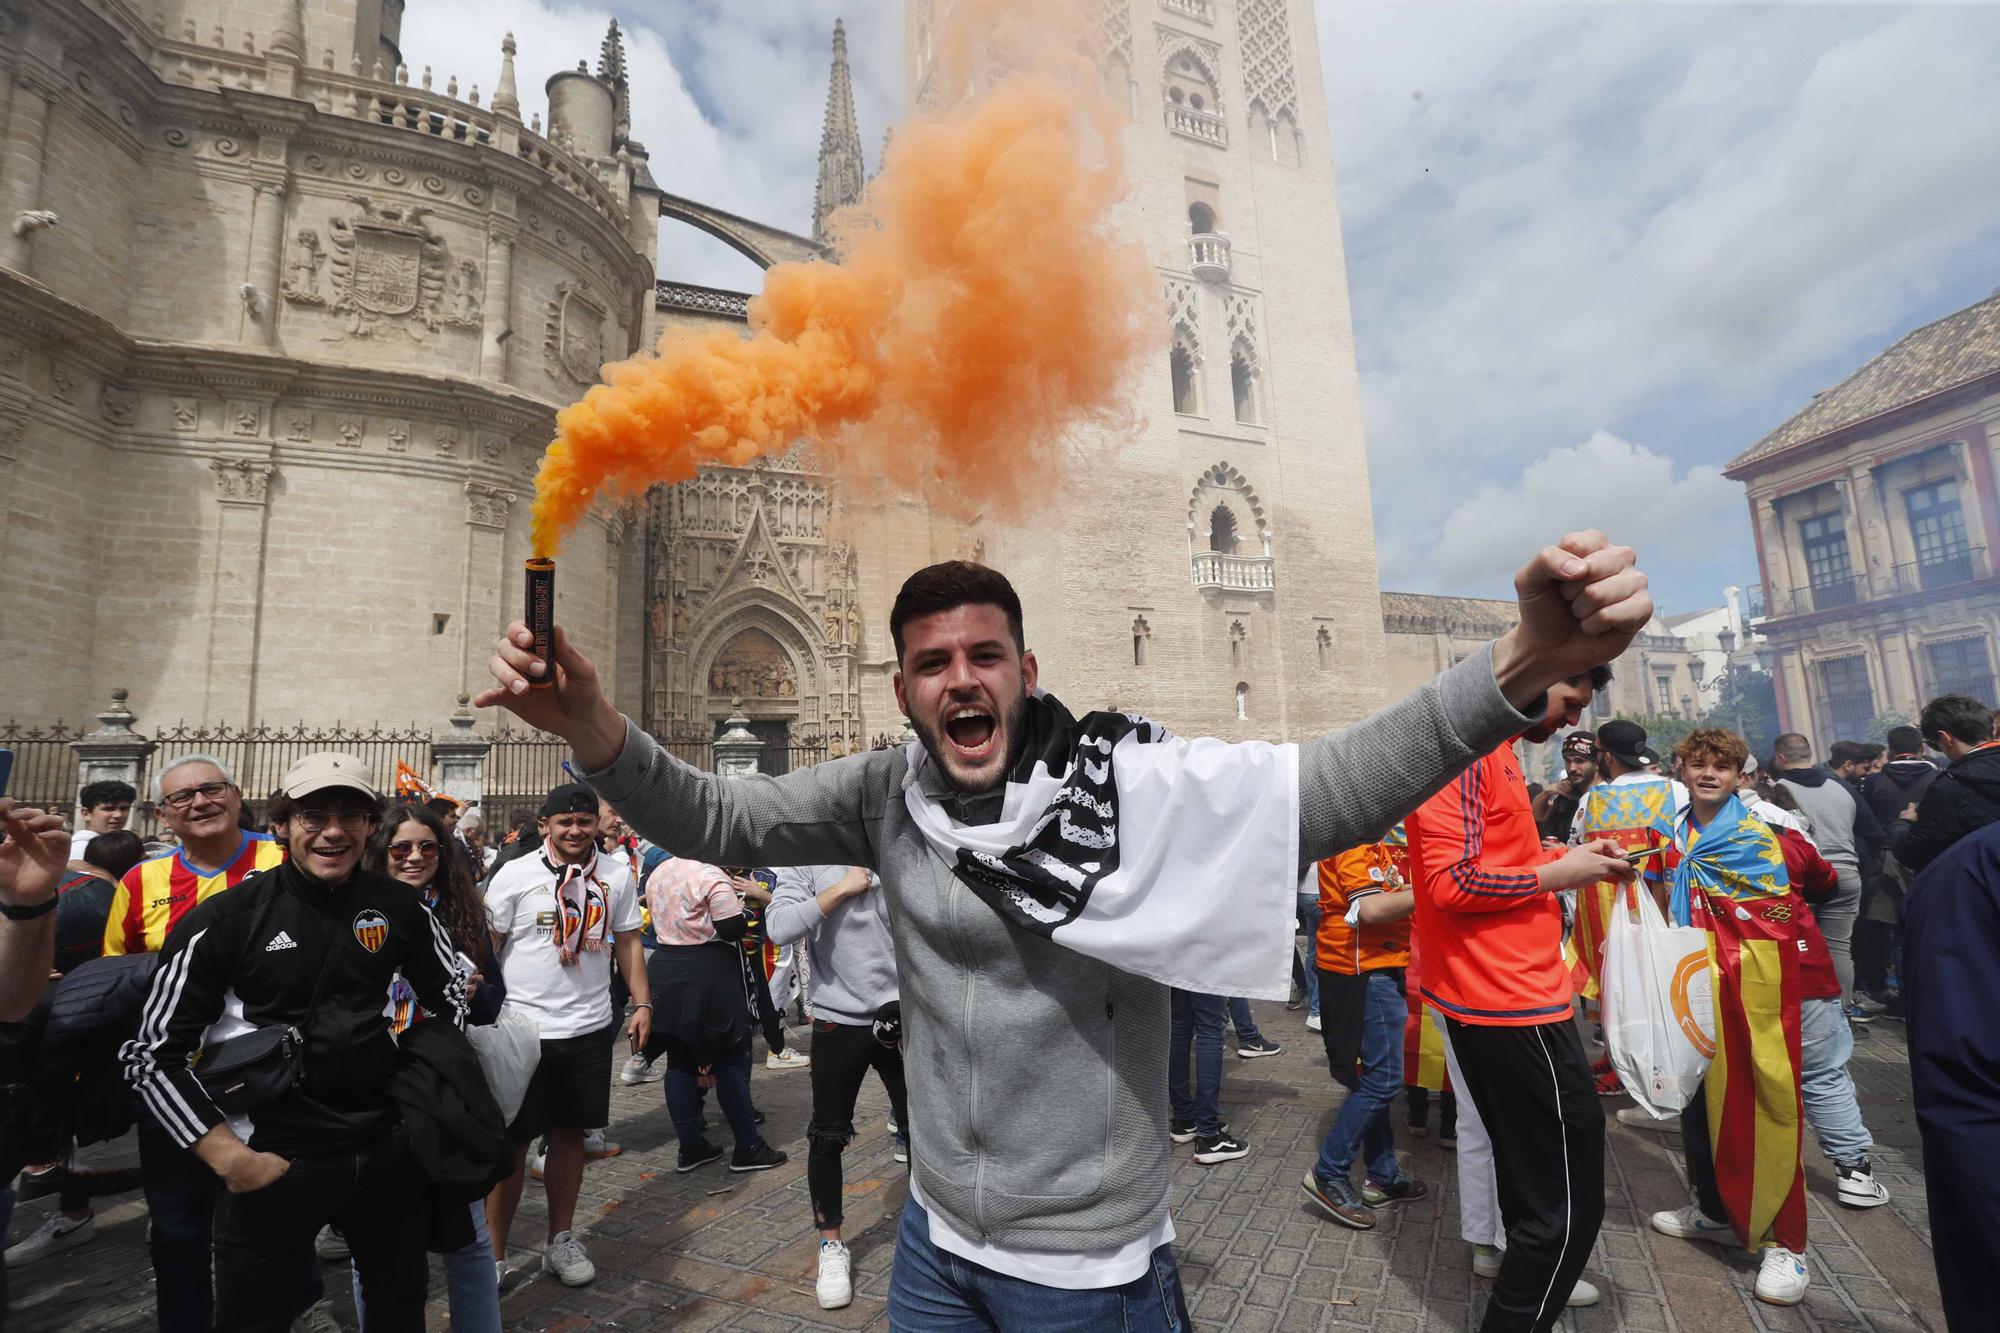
<point>1581,602</point>
<point>814,816</point>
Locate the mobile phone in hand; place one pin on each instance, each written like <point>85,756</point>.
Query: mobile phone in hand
<point>1644,854</point>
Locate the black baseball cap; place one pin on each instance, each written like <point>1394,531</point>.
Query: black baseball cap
<point>572,798</point>
<point>1624,741</point>
<point>1579,742</point>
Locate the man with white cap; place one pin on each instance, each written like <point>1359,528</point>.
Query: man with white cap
<point>310,946</point>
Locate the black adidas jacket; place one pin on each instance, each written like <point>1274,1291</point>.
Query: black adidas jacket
<point>253,957</point>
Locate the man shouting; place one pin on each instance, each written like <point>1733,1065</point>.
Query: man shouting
<point>1047,880</point>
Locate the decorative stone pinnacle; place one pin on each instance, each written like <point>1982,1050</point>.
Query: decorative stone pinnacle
<point>842,170</point>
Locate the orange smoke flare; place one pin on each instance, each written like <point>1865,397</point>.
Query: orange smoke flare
<point>983,309</point>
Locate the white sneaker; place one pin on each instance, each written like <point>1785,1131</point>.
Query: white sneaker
<point>1781,1279</point>
<point>565,1258</point>
<point>1486,1260</point>
<point>1583,1293</point>
<point>790,1058</point>
<point>1690,1223</point>
<point>1858,1186</point>
<point>835,1284</point>
<point>638,1069</point>
<point>1312,1023</point>
<point>329,1244</point>
<point>1641,1119</point>
<point>54,1234</point>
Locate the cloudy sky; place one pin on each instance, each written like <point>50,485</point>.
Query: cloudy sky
<point>1595,249</point>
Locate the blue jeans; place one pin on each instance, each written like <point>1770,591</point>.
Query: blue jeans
<point>1197,1021</point>
<point>931,1291</point>
<point>732,1091</point>
<point>1245,1025</point>
<point>1363,1122</point>
<point>471,1284</point>
<point>1826,1044</point>
<point>1305,969</point>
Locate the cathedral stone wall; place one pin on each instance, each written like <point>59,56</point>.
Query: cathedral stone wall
<point>281,344</point>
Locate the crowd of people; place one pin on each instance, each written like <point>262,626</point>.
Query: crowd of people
<point>349,1028</point>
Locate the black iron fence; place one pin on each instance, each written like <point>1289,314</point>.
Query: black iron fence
<point>46,767</point>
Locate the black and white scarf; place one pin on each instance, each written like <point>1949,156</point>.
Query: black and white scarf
<point>1170,858</point>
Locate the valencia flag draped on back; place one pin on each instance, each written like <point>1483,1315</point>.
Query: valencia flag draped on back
<point>1731,881</point>
<point>1638,814</point>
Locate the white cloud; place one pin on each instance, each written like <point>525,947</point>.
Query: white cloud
<point>1652,218</point>
<point>1679,519</point>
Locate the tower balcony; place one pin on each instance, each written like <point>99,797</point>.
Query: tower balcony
<point>1205,126</point>
<point>1208,256</point>
<point>1243,573</point>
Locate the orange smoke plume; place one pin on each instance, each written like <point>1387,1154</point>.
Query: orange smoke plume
<point>982,310</point>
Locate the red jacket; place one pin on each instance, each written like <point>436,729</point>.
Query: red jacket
<point>1812,879</point>
<point>1491,939</point>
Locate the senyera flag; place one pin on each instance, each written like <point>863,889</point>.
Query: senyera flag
<point>1731,881</point>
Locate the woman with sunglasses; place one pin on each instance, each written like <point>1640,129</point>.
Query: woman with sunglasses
<point>413,846</point>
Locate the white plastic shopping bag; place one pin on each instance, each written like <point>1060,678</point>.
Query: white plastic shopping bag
<point>509,1049</point>
<point>1658,1003</point>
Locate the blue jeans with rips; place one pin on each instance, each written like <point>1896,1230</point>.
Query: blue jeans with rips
<point>931,1291</point>
<point>1197,1023</point>
<point>1362,1126</point>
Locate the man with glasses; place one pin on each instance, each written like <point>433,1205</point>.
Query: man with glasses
<point>314,944</point>
<point>200,802</point>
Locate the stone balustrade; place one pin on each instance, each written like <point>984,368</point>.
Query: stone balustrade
<point>1205,126</point>
<point>1208,256</point>
<point>1244,573</point>
<point>701,300</point>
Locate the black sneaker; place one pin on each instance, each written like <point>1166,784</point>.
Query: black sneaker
<point>1403,1189</point>
<point>1253,1050</point>
<point>700,1155</point>
<point>1182,1131</point>
<point>1221,1148</point>
<point>758,1156</point>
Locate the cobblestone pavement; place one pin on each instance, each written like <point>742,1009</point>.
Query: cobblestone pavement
<point>715,1250</point>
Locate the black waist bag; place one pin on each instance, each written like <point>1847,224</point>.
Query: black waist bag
<point>253,1070</point>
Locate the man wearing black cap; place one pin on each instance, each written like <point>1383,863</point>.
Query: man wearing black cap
<point>1557,804</point>
<point>556,918</point>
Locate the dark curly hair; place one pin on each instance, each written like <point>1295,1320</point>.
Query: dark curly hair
<point>458,903</point>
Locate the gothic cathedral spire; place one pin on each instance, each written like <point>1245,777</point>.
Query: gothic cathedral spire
<point>611,69</point>
<point>841,170</point>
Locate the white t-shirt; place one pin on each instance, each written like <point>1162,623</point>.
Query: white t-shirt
<point>566,1001</point>
<point>1078,1270</point>
<point>77,842</point>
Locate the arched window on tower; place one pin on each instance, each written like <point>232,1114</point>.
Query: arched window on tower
<point>1222,531</point>
<point>1141,632</point>
<point>1201,219</point>
<point>1243,388</point>
<point>1242,701</point>
<point>1180,363</point>
<point>1324,640</point>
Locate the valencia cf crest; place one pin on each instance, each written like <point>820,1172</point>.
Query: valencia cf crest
<point>371,930</point>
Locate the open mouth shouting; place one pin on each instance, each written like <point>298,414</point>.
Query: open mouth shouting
<point>971,731</point>
<point>330,858</point>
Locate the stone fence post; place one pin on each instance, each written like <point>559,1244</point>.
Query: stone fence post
<point>458,758</point>
<point>736,749</point>
<point>114,752</point>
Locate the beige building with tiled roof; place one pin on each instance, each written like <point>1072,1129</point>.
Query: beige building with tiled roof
<point>1876,522</point>
<point>1425,634</point>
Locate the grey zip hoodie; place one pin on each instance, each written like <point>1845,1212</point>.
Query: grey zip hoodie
<point>853,963</point>
<point>1037,1076</point>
